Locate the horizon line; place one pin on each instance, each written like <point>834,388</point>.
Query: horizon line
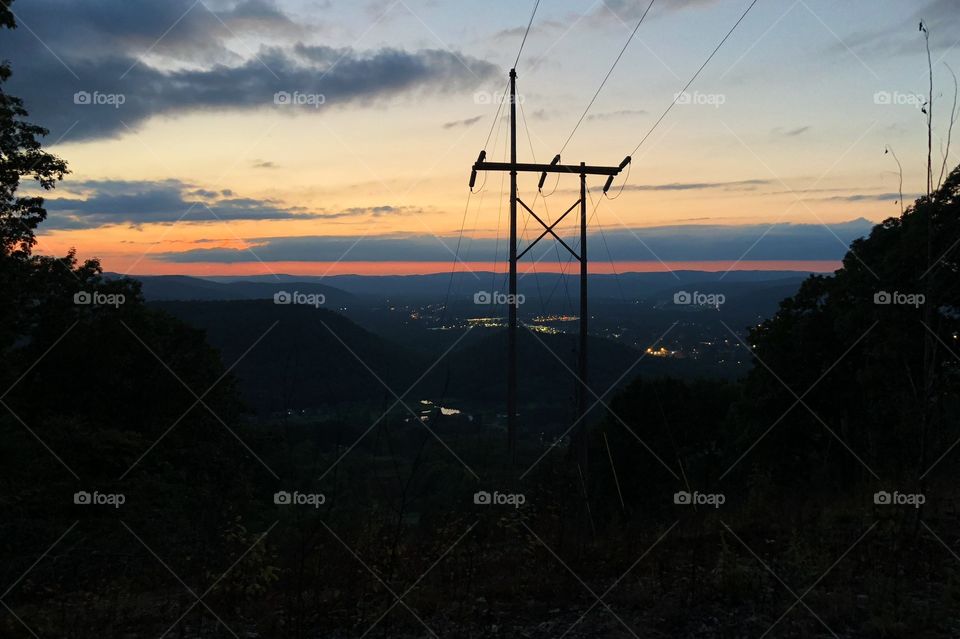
<point>381,269</point>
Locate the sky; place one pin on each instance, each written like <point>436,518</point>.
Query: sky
<point>320,136</point>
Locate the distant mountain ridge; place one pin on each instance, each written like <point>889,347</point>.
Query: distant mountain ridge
<point>341,290</point>
<point>294,357</point>
<point>188,288</point>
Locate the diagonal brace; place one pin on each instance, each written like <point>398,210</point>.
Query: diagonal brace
<point>548,229</point>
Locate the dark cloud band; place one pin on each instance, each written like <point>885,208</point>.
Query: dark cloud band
<point>86,73</point>
<point>106,202</point>
<point>669,243</point>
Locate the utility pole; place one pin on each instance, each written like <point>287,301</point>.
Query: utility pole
<point>584,316</point>
<point>583,170</point>
<point>512,300</point>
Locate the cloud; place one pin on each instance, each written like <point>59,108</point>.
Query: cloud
<point>96,71</point>
<point>112,202</point>
<point>678,243</point>
<point>177,30</point>
<point>940,16</point>
<point>198,192</point>
<point>872,197</point>
<point>737,185</point>
<point>632,10</point>
<point>543,114</point>
<point>790,133</point>
<point>462,123</point>
<point>538,28</point>
<point>614,115</point>
<point>376,211</point>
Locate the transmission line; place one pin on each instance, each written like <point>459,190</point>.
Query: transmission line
<point>526,33</point>
<point>695,75</point>
<point>607,77</point>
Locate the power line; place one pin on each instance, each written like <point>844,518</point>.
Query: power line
<point>624,184</point>
<point>571,230</point>
<point>496,118</point>
<point>496,137</point>
<point>519,51</point>
<point>456,257</point>
<point>533,154</point>
<point>514,167</point>
<point>607,77</point>
<point>463,223</point>
<point>603,236</point>
<point>695,75</point>
<point>496,253</point>
<point>526,33</point>
<point>556,248</point>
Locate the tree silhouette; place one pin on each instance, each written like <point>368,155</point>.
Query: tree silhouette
<point>87,391</point>
<point>21,157</point>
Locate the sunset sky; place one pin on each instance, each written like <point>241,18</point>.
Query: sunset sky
<point>183,161</point>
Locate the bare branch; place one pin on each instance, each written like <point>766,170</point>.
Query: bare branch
<point>929,111</point>
<point>953,119</point>
<point>889,150</point>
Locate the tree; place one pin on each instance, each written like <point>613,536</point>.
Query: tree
<point>881,333</point>
<point>108,390</point>
<point>21,157</point>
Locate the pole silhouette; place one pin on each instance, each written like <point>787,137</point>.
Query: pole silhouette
<point>514,168</point>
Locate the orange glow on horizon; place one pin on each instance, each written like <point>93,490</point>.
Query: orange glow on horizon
<point>146,267</point>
